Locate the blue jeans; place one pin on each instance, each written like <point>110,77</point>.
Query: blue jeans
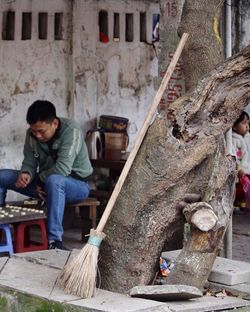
<point>59,190</point>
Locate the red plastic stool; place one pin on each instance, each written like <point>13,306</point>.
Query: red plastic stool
<point>22,241</point>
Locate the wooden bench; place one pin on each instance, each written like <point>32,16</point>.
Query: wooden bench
<point>88,216</point>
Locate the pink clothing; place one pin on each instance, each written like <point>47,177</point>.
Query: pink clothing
<point>241,150</point>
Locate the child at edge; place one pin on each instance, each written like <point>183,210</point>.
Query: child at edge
<point>241,150</point>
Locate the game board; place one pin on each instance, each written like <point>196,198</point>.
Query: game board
<point>13,214</point>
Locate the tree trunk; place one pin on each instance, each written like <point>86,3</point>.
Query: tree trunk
<point>166,168</point>
<point>194,264</point>
<point>204,47</point>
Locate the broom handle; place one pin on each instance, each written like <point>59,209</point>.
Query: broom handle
<point>141,134</point>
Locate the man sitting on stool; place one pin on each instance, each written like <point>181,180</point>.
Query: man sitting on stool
<point>54,168</point>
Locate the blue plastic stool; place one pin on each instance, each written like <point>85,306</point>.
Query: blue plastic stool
<point>8,246</point>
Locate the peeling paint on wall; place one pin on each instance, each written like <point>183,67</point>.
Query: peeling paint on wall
<point>115,77</point>
<point>5,107</point>
<point>244,23</point>
<point>30,70</point>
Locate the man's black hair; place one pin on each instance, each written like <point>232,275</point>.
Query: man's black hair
<point>41,111</point>
<point>241,118</point>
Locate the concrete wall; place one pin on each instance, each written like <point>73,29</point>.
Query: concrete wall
<point>244,23</point>
<point>82,76</point>
<point>117,77</point>
<point>30,69</point>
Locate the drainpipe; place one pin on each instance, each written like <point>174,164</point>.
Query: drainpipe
<point>70,75</point>
<point>228,52</point>
<point>228,43</point>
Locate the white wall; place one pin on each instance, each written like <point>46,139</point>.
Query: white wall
<point>83,77</point>
<point>244,23</point>
<point>30,70</point>
<point>114,78</point>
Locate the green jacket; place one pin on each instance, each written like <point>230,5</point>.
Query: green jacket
<point>66,153</point>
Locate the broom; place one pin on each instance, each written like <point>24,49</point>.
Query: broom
<point>78,277</point>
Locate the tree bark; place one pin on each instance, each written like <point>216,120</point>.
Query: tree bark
<point>196,259</point>
<point>167,167</point>
<point>201,53</point>
<point>201,216</point>
<point>204,47</point>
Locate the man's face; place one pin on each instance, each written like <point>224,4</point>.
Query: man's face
<point>44,131</point>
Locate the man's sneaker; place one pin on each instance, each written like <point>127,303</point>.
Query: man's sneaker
<point>56,245</point>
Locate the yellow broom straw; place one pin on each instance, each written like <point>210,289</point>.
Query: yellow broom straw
<point>78,277</point>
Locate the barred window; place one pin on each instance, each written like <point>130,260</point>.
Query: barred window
<point>58,26</point>
<point>42,25</point>
<point>8,32</point>
<point>26,25</point>
<point>129,27</point>
<point>103,26</point>
<point>116,32</point>
<point>143,29</point>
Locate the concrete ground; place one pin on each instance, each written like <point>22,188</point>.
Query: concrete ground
<point>241,237</point>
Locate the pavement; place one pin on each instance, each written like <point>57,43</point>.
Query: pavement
<point>241,237</point>
<point>33,277</point>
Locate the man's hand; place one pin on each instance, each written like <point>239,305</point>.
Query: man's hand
<point>23,180</point>
<point>41,192</point>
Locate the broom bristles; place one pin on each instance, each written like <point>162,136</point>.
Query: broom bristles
<point>78,277</point>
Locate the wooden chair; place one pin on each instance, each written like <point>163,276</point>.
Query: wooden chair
<point>88,213</point>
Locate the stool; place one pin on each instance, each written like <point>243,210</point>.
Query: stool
<point>6,247</point>
<point>88,216</point>
<point>22,241</point>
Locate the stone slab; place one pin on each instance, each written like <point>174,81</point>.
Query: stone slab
<point>239,290</point>
<point>28,277</point>
<point>40,280</point>
<point>57,294</point>
<point>3,261</point>
<point>224,271</point>
<point>73,254</point>
<point>207,304</point>
<point>113,302</point>
<point>54,258</point>
<point>230,272</point>
<point>165,292</point>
